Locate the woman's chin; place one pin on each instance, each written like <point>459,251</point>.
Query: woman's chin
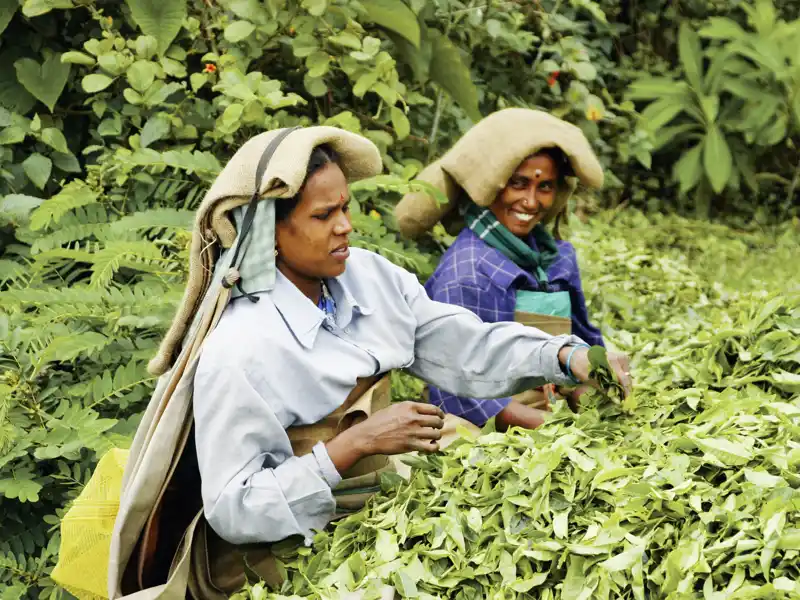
<point>335,268</point>
<point>522,230</point>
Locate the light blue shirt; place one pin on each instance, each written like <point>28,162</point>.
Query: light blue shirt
<point>280,362</point>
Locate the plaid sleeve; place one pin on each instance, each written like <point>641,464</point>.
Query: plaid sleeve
<point>486,306</point>
<point>472,409</point>
<point>484,303</point>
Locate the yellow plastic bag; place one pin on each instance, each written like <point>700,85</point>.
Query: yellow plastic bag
<point>82,567</point>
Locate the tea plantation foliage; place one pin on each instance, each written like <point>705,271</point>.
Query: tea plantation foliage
<point>115,117</point>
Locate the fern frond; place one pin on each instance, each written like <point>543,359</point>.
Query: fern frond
<point>158,219</point>
<point>22,485</point>
<point>10,270</point>
<point>194,197</point>
<point>395,183</point>
<point>76,253</point>
<point>73,195</point>
<point>71,428</point>
<point>68,347</point>
<point>125,379</point>
<point>111,298</point>
<point>7,429</point>
<point>66,235</point>
<point>203,164</point>
<point>91,221</point>
<point>139,255</point>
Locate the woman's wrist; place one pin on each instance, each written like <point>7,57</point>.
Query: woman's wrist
<point>566,357</point>
<point>347,448</point>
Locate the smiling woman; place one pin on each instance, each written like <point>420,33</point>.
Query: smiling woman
<point>506,264</point>
<point>531,191</point>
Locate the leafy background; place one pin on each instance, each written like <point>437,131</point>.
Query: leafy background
<point>115,117</point>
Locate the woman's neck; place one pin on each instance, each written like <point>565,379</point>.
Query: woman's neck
<point>310,286</point>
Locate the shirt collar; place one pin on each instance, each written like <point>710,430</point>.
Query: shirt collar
<point>299,313</point>
<point>347,301</point>
<point>304,318</point>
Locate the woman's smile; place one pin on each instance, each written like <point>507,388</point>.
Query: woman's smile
<point>528,195</point>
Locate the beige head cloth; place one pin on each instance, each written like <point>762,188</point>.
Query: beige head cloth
<point>482,161</point>
<point>214,229</point>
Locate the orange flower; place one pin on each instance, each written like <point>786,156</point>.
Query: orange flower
<point>553,78</point>
<point>210,68</point>
<point>292,31</point>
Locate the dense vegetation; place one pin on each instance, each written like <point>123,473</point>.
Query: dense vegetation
<point>687,489</point>
<point>114,118</point>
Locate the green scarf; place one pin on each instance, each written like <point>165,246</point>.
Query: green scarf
<point>486,226</point>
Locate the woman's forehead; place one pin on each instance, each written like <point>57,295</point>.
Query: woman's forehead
<point>542,165</point>
<point>328,186</point>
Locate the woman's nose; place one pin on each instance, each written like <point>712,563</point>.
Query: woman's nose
<point>343,225</point>
<point>529,201</point>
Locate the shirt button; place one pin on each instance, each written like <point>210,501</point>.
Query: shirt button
<point>347,330</point>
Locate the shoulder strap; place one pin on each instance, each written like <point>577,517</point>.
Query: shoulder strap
<point>250,214</point>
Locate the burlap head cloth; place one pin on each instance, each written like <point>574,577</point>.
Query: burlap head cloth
<point>480,164</point>
<point>223,211</point>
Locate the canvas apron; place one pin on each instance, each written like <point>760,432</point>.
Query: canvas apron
<point>547,311</point>
<point>218,568</point>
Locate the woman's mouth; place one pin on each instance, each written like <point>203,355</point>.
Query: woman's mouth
<point>341,253</point>
<point>522,217</point>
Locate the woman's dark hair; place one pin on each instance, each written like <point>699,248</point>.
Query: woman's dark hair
<point>320,156</point>
<point>560,158</point>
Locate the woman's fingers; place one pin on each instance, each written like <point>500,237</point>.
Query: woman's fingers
<point>619,362</point>
<point>427,409</point>
<point>428,446</point>
<point>428,433</point>
<point>430,421</point>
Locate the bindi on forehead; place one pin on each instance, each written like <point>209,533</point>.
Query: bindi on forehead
<point>538,168</point>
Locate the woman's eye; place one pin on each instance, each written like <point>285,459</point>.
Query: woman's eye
<point>546,186</point>
<point>324,216</point>
<point>519,184</point>
<point>346,208</point>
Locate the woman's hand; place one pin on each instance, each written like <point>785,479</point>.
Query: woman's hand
<point>519,415</point>
<point>579,365</point>
<point>400,428</point>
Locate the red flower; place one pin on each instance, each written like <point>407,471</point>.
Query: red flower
<point>210,68</point>
<point>553,78</point>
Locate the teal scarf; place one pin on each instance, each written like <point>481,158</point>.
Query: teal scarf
<point>486,226</point>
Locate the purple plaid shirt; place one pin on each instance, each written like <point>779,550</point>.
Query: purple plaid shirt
<point>476,276</point>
